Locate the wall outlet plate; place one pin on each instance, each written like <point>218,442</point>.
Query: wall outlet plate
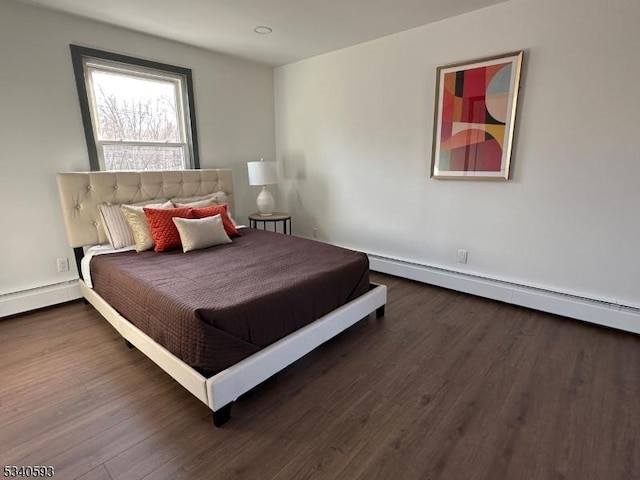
<point>62,264</point>
<point>462,256</point>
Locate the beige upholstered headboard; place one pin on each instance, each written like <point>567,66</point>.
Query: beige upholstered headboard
<point>82,192</point>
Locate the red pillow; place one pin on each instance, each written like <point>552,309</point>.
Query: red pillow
<point>163,230</point>
<point>203,212</point>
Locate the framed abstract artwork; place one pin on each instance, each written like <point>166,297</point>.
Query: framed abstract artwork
<point>474,118</point>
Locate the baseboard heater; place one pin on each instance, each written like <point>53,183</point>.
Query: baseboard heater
<point>601,312</point>
<point>38,297</point>
<point>597,311</point>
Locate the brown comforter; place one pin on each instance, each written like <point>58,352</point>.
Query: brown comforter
<point>216,306</point>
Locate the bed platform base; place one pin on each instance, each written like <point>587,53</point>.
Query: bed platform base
<point>221,390</point>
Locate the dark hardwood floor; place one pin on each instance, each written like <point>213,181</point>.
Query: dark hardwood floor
<point>445,386</point>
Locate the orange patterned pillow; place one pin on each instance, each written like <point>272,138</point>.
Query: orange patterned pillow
<point>221,210</point>
<point>163,230</point>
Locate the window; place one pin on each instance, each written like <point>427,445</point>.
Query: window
<point>137,114</point>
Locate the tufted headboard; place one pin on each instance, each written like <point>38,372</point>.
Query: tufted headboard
<point>82,192</point>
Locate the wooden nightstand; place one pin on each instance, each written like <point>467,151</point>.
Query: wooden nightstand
<point>284,218</point>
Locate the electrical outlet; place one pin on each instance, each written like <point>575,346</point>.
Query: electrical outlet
<point>62,264</point>
<point>462,256</point>
<point>315,232</point>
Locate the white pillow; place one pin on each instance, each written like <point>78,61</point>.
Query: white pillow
<point>197,233</point>
<point>207,202</point>
<point>181,202</point>
<point>115,226</point>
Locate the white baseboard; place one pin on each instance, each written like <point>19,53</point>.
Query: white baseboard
<point>32,299</point>
<point>622,317</point>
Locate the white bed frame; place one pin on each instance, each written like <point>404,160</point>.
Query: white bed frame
<point>80,195</point>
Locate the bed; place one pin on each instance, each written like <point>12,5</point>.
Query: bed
<point>217,346</point>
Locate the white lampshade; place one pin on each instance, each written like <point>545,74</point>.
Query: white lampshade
<point>262,173</point>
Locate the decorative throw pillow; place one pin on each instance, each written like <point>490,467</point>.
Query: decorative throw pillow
<point>221,210</point>
<point>180,201</point>
<point>139,225</point>
<point>207,202</point>
<point>197,233</point>
<point>221,197</point>
<point>163,230</point>
<point>217,198</point>
<point>116,226</point>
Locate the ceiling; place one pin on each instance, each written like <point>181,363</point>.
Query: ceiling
<point>301,28</point>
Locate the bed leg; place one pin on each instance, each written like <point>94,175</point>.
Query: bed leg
<point>78,253</point>
<point>222,415</point>
<point>129,344</point>
<point>380,311</point>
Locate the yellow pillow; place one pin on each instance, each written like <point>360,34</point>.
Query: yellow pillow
<point>139,225</point>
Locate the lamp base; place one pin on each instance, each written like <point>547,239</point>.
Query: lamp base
<point>265,202</point>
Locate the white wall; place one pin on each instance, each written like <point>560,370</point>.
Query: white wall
<point>41,131</point>
<point>354,128</point>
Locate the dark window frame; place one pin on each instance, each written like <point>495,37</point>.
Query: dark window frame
<point>79,53</point>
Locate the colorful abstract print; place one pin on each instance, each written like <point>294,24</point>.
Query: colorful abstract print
<point>474,116</point>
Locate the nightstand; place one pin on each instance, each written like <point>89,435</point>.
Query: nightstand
<point>283,218</point>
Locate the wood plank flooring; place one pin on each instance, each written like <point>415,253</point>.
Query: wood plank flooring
<point>445,386</point>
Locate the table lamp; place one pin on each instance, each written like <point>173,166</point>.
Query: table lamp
<point>263,173</point>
